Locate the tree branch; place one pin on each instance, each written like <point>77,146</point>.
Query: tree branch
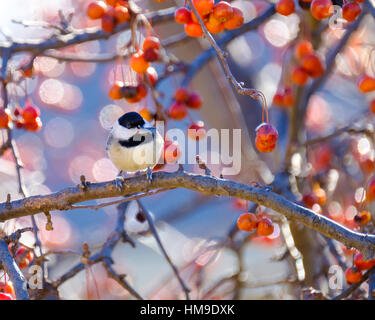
<point>62,200</point>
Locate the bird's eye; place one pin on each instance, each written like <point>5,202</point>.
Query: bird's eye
<point>138,126</point>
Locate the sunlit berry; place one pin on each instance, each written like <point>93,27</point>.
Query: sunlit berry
<point>309,199</point>
<point>321,9</point>
<point>370,193</point>
<point>363,217</point>
<point>236,21</point>
<point>215,28</point>
<point>96,9</point>
<point>285,7</point>
<point>115,92</point>
<point>266,137</point>
<point>151,43</point>
<point>30,113</point>
<point>151,55</point>
<point>204,6</point>
<point>146,114</point>
<point>278,98</point>
<point>5,296</point>
<point>265,227</point>
<point>34,125</point>
<point>181,94</point>
<point>288,98</point>
<point>361,263</point>
<point>177,111</point>
<point>138,62</point>
<point>7,287</point>
<point>247,222</point>
<point>152,75</point>
<point>303,48</point>
<point>121,14</point>
<point>182,15</point>
<point>172,152</point>
<point>222,11</point>
<point>108,22</point>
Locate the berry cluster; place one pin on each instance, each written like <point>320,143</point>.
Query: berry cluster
<point>250,221</point>
<point>111,13</point>
<point>22,254</point>
<point>140,61</point>
<point>317,196</point>
<point>354,273</point>
<point>27,118</point>
<point>216,17</point>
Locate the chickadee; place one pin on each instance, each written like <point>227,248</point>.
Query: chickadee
<point>134,145</point>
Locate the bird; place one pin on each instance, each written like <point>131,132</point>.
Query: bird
<point>133,146</point>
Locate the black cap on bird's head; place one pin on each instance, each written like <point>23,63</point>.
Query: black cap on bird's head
<point>131,120</point>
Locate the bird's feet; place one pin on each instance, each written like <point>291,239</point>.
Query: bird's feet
<point>120,182</point>
<point>149,175</point>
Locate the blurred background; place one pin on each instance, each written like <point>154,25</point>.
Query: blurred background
<point>77,112</point>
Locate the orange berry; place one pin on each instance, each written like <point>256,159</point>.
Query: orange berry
<point>350,11</point>
<point>288,98</point>
<point>5,296</point>
<point>4,118</point>
<point>312,64</point>
<point>30,113</point>
<point>321,9</point>
<point>195,19</point>
<point>182,15</point>
<point>236,21</point>
<point>299,76</point>
<point>204,6</point>
<point>108,22</point>
<point>7,287</point>
<point>309,199</point>
<point>194,100</point>
<point>181,94</point>
<point>265,227</point>
<point>285,7</point>
<point>177,111</point>
<point>247,222</point>
<point>121,14</point>
<point>146,114</point>
<point>193,29</point>
<point>266,137</point>
<point>353,275</point>
<point>366,83</point>
<point>215,28</point>
<point>222,11</point>
<point>196,130</point>
<point>111,2</point>
<point>321,196</point>
<point>303,48</point>
<point>278,98</point>
<point>34,125</point>
<point>138,62</point>
<point>96,10</point>
<point>115,93</point>
<point>151,43</point>
<point>363,217</point>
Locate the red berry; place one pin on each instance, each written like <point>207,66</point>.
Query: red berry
<point>138,62</point>
<point>30,113</point>
<point>321,9</point>
<point>181,94</point>
<point>278,98</point>
<point>309,199</point>
<point>196,130</point>
<point>96,9</point>
<point>34,125</point>
<point>177,111</point>
<point>312,64</point>
<point>247,222</point>
<point>370,193</point>
<point>363,217</point>
<point>285,7</point>
<point>108,22</point>
<point>266,137</point>
<point>265,227</point>
<point>23,257</point>
<point>151,55</point>
<point>7,287</point>
<point>5,296</point>
<point>151,43</point>
<point>353,275</point>
<point>193,29</point>
<point>152,75</point>
<point>372,106</point>
<point>303,48</point>
<point>299,76</point>
<point>194,100</point>
<point>222,11</point>
<point>350,11</point>
<point>236,21</point>
<point>288,98</point>
<point>366,83</point>
<point>4,118</point>
<point>182,15</point>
